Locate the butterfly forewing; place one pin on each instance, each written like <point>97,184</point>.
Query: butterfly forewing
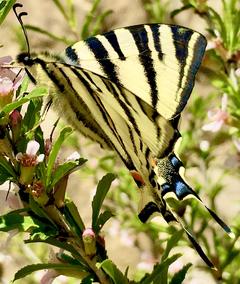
<point>156,62</point>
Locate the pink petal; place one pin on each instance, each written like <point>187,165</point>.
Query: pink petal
<point>19,156</point>
<point>40,158</point>
<point>74,156</point>
<point>214,126</point>
<point>5,60</point>
<point>213,114</point>
<point>224,102</point>
<point>32,147</point>
<point>6,86</point>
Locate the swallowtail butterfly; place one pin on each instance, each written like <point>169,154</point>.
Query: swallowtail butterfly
<point>126,89</point>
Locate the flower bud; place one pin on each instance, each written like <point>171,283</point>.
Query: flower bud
<point>39,193</point>
<point>60,191</point>
<point>15,124</point>
<point>28,162</point>
<point>47,147</point>
<point>89,241</point>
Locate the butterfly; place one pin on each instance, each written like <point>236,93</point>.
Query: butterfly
<point>125,90</point>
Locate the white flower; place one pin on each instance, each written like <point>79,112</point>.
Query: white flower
<point>74,156</point>
<point>30,158</point>
<point>9,199</point>
<point>218,116</point>
<point>204,145</point>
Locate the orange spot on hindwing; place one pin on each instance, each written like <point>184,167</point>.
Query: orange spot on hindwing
<point>137,178</point>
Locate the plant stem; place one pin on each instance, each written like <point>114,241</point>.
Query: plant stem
<point>92,264</point>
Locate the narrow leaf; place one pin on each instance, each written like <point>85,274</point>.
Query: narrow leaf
<point>172,242</point>
<point>36,93</point>
<point>102,189</point>
<point>102,219</point>
<point>158,268</point>
<point>5,7</point>
<point>66,169</point>
<point>111,269</point>
<point>76,218</point>
<point>14,220</point>
<point>64,267</point>
<point>53,154</point>
<point>180,275</point>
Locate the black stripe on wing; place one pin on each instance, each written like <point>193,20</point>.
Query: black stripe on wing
<point>102,56</point>
<point>181,37</point>
<point>156,39</point>
<point>140,36</point>
<point>113,40</point>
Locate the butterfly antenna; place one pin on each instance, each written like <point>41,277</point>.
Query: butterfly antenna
<point>19,17</point>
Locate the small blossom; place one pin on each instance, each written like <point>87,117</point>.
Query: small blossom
<point>9,199</point>
<point>10,79</point>
<point>30,158</point>
<point>218,116</point>
<point>29,161</point>
<point>147,262</point>
<point>74,156</point>
<point>89,241</point>
<point>38,192</point>
<point>204,145</point>
<point>217,44</point>
<point>127,238</point>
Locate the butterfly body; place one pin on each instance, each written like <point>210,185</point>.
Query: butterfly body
<point>125,90</point>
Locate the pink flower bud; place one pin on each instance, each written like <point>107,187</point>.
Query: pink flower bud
<point>39,193</point>
<point>47,147</point>
<point>15,121</point>
<point>89,241</point>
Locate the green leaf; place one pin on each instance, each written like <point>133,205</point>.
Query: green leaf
<point>66,169</point>
<point>65,132</point>
<point>102,189</point>
<point>14,220</point>
<point>102,219</point>
<point>63,268</point>
<point>5,7</point>
<point>36,93</point>
<point>180,275</point>
<point>63,245</point>
<point>172,242</point>
<point>88,280</point>
<point>32,115</point>
<point>157,270</point>
<point>76,219</point>
<point>6,171</point>
<point>111,269</point>
<point>39,211</point>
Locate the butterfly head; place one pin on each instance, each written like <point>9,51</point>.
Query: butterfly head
<point>25,58</point>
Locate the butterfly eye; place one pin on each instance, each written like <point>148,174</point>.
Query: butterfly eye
<point>25,59</point>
